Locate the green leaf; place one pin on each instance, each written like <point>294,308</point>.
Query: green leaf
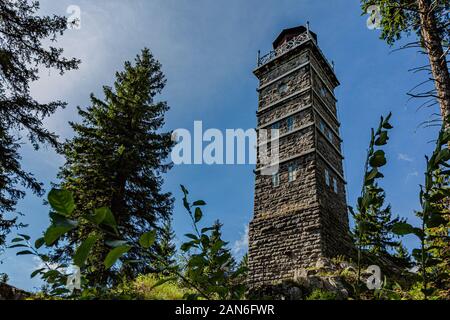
<point>197,261</point>
<point>204,240</point>
<point>114,255</point>
<point>39,243</point>
<point>147,239</point>
<point>19,245</point>
<point>198,215</point>
<point>386,125</point>
<point>199,203</point>
<point>185,191</point>
<point>16,240</point>
<point>378,159</point>
<point>24,252</point>
<point>186,204</point>
<point>382,139</point>
<point>61,201</point>
<point>121,150</point>
<point>60,220</point>
<point>187,246</point>
<point>418,232</point>
<point>445,139</point>
<point>83,251</point>
<point>99,215</point>
<point>204,230</point>
<point>443,156</point>
<point>402,228</point>
<point>36,272</point>
<point>371,175</point>
<point>217,246</point>
<point>191,236</point>
<point>109,219</point>
<point>428,181</point>
<point>25,236</point>
<point>53,233</point>
<point>436,220</point>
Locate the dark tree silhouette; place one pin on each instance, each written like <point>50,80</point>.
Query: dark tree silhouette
<point>22,52</point>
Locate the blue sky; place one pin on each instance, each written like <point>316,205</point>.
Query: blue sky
<point>208,51</point>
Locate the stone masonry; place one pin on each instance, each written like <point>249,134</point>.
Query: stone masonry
<point>300,213</point>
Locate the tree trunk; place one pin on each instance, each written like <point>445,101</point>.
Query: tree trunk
<point>432,42</point>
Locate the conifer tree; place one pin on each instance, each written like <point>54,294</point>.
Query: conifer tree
<point>21,54</point>
<point>402,257</point>
<point>373,220</point>
<point>166,249</point>
<point>116,160</point>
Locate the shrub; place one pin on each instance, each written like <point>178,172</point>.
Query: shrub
<point>145,287</point>
<point>319,294</point>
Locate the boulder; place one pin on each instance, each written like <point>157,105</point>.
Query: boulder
<point>8,292</point>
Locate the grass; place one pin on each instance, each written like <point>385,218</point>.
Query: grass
<point>144,288</point>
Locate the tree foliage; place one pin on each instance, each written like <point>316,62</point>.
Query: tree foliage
<point>373,220</point>
<point>402,17</point>
<point>429,20</point>
<point>433,256</point>
<point>211,269</point>
<point>104,232</point>
<point>116,160</point>
<point>22,52</point>
<point>166,249</point>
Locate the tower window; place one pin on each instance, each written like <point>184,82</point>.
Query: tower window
<point>335,186</point>
<point>283,88</point>
<point>330,135</point>
<point>290,124</point>
<point>327,177</point>
<point>275,130</point>
<point>292,173</point>
<point>322,126</point>
<point>323,92</point>
<point>275,179</point>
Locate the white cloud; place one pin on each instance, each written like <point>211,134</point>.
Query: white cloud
<point>404,157</point>
<point>39,264</point>
<point>411,175</point>
<point>241,246</point>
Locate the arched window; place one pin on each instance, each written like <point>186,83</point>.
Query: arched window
<point>292,173</point>
<point>283,88</point>
<point>290,124</point>
<point>275,179</point>
<point>327,177</point>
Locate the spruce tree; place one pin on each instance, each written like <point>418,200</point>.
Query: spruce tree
<point>373,219</point>
<point>21,54</point>
<point>373,233</point>
<point>116,160</point>
<point>166,249</point>
<point>402,257</point>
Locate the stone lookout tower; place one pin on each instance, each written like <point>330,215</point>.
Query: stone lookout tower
<point>300,210</point>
